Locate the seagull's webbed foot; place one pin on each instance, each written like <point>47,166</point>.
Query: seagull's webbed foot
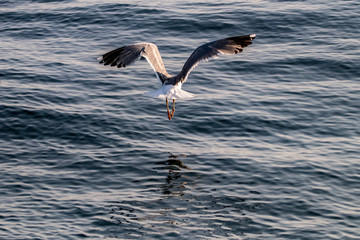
<point>173,108</point>
<point>168,111</point>
<point>170,114</point>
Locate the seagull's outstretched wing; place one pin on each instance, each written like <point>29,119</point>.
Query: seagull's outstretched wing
<point>124,56</point>
<point>227,46</point>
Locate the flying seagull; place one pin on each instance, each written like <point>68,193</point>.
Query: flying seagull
<point>171,85</point>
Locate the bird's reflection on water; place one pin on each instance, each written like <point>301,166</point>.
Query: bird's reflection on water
<point>178,179</point>
<point>173,162</point>
<point>175,182</point>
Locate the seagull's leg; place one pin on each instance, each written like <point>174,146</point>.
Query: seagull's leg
<point>168,111</point>
<point>173,108</point>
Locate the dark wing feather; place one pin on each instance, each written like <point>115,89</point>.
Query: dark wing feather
<point>122,57</point>
<point>226,46</point>
<point>127,55</point>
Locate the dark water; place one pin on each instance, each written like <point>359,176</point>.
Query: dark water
<point>268,149</point>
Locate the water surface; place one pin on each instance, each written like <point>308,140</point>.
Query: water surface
<point>268,148</point>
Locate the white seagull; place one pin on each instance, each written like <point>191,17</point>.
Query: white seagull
<point>171,85</point>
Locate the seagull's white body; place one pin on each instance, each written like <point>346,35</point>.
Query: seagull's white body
<point>170,92</point>
<point>171,85</point>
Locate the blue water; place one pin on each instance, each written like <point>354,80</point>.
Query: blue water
<point>268,148</point>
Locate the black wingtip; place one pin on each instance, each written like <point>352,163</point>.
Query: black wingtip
<point>243,41</point>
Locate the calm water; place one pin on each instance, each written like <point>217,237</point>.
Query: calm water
<point>268,148</point>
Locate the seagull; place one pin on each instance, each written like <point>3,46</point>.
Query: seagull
<point>171,85</point>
